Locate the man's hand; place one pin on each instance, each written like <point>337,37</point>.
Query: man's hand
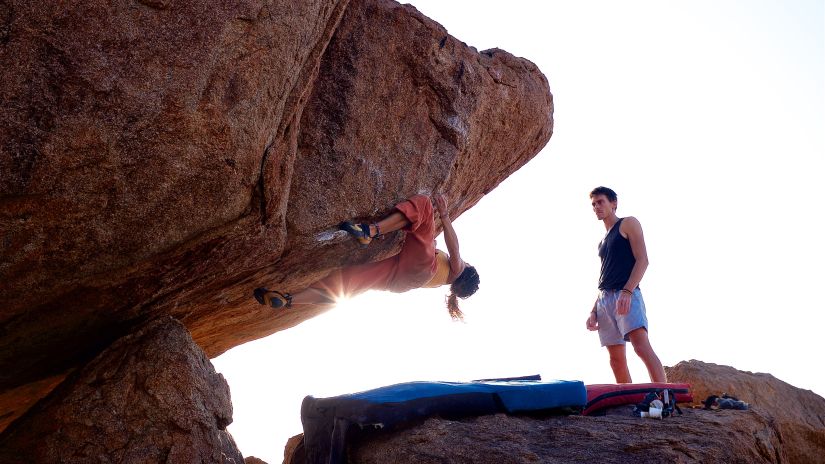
<point>441,205</point>
<point>592,322</point>
<point>623,304</point>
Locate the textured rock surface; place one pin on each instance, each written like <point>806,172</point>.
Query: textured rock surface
<point>798,415</point>
<point>404,108</point>
<point>167,157</point>
<point>294,450</point>
<point>133,135</point>
<point>153,396</point>
<point>696,437</point>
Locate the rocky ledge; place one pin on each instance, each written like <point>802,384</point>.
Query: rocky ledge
<point>784,425</point>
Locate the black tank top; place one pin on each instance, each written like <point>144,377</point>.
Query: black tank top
<point>617,259</point>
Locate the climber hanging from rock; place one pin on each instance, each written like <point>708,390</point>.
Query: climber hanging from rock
<point>418,264</point>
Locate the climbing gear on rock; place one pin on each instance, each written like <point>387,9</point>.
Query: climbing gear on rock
<point>657,404</point>
<point>725,402</point>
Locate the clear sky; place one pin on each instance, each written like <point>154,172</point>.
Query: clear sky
<point>708,119</point>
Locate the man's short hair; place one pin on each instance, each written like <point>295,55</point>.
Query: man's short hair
<point>609,193</point>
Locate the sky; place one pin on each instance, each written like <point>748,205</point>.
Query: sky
<point>707,117</point>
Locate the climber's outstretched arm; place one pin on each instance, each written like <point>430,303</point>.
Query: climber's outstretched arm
<point>450,238</point>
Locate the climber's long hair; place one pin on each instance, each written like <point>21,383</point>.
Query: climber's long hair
<point>463,287</point>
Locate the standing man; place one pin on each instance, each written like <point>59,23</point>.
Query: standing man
<point>619,311</point>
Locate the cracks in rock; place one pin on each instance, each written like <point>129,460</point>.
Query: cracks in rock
<point>155,4</point>
<point>460,73</point>
<point>261,187</point>
<point>6,18</point>
<point>496,76</point>
<point>447,132</point>
<point>244,56</point>
<point>296,98</point>
<point>777,453</point>
<point>221,422</point>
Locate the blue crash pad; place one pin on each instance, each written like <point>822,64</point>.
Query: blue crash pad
<point>328,422</point>
<point>516,396</point>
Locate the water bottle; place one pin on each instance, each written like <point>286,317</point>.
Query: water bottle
<point>653,413</point>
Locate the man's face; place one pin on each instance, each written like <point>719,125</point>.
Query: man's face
<point>602,206</point>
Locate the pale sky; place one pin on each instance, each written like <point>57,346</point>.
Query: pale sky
<point>706,117</point>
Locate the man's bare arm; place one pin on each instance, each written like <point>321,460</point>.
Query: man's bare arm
<point>592,321</point>
<point>632,229</point>
<point>450,237</point>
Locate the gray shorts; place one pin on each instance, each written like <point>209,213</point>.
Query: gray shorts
<point>613,329</point>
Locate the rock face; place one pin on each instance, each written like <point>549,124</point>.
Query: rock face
<point>294,450</point>
<point>153,396</point>
<point>253,460</point>
<point>404,108</point>
<point>798,415</point>
<point>696,437</point>
<point>165,158</point>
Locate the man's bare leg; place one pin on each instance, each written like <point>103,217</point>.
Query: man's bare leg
<point>312,296</point>
<point>641,344</point>
<point>395,221</point>
<point>618,362</point>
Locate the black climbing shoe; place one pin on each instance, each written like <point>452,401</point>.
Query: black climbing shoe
<point>273,298</point>
<point>361,232</point>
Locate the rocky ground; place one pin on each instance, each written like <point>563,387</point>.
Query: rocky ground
<point>153,396</point>
<point>783,425</point>
<point>695,437</point>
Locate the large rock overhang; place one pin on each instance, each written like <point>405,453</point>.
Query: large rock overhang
<point>164,159</point>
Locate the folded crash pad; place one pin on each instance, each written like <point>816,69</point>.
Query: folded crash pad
<point>602,396</point>
<point>328,422</point>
